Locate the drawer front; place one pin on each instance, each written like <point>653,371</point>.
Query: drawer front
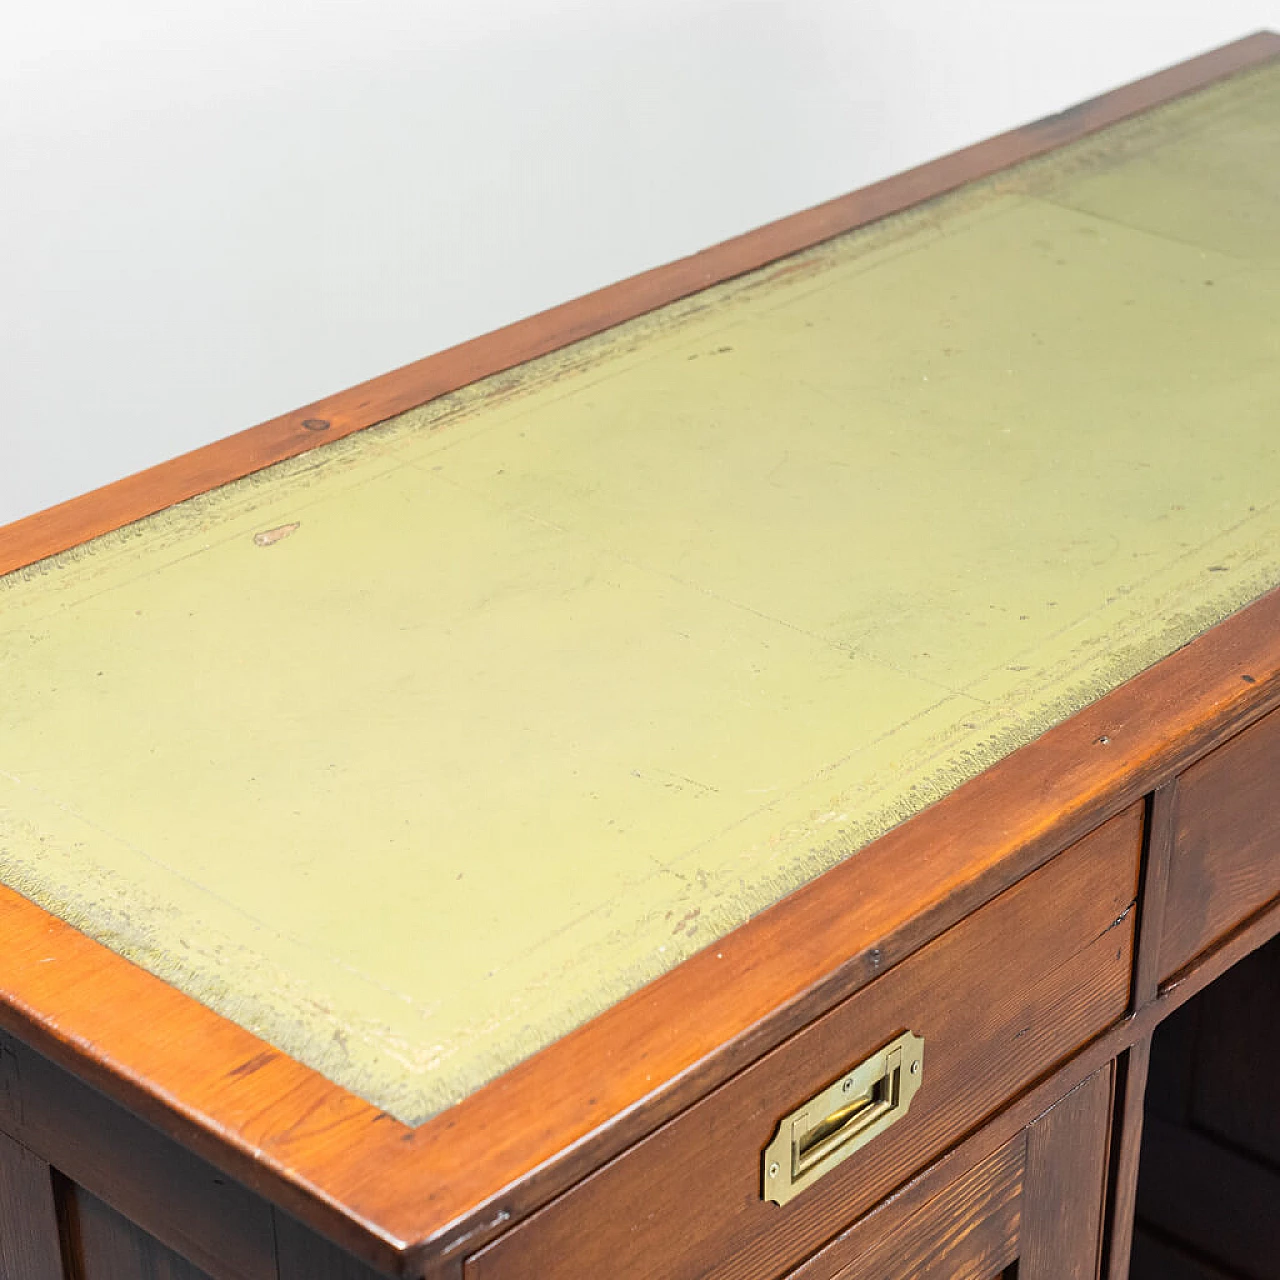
<point>1037,1201</point>
<point>1226,852</point>
<point>998,1000</point>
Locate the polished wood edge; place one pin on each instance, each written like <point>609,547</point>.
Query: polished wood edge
<point>77,520</point>
<point>413,1201</point>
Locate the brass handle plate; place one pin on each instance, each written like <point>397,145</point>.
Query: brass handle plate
<point>843,1118</point>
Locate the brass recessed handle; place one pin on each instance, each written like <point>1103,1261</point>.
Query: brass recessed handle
<point>843,1118</point>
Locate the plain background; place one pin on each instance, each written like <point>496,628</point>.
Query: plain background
<point>213,214</point>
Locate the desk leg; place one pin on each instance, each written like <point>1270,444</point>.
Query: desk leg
<point>1132,1080</point>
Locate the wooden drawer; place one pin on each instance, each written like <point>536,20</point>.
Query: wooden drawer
<point>1037,1201</point>
<point>1226,852</point>
<point>998,1000</point>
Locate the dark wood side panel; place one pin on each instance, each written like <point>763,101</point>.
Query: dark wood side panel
<point>999,999</point>
<point>1065,1190</point>
<point>1219,1204</point>
<point>305,1256</point>
<point>1209,1183</point>
<point>149,1178</point>
<point>107,1246</point>
<point>30,1247</point>
<point>1226,854</point>
<point>1234,1092</point>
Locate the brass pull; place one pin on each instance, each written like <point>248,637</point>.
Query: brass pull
<point>843,1118</point>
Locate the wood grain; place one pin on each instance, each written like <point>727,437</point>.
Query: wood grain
<point>1131,1072</point>
<point>1037,1201</point>
<point>1251,935</point>
<point>999,999</point>
<point>109,1247</point>
<point>406,1201</point>
<point>1226,854</point>
<point>1225,859</point>
<point>1066,1184</point>
<point>170,1193</point>
<point>73,522</point>
<point>1156,858</point>
<point>968,1232</point>
<point>1097,1057</point>
<point>1176,1000</point>
<point>30,1246</point>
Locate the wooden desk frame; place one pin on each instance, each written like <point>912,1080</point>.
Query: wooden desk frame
<point>416,1202</point>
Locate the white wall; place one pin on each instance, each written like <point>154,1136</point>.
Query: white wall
<point>213,213</point>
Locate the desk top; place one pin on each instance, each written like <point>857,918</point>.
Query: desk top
<point>415,752</point>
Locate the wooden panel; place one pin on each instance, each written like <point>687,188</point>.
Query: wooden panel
<point>1097,1056</point>
<point>998,1000</point>
<point>1126,1149</point>
<point>1210,1177</point>
<point>1156,857</point>
<point>1037,1201</point>
<point>182,1200</point>
<point>1226,858</point>
<point>1169,1078</point>
<point>109,1247</point>
<point>1219,1203</point>
<point>969,1232</point>
<point>30,1248</point>
<point>303,1255</point>
<point>1237,1063</point>
<point>1066,1185</point>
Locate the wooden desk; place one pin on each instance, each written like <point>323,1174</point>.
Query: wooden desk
<point>456,850</point>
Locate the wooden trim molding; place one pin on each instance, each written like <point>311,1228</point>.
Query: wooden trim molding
<point>70,523</point>
<point>414,1201</point>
